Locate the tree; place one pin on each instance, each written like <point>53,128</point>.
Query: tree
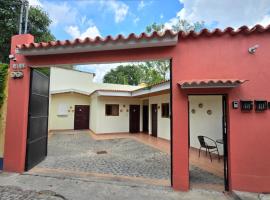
<point>162,66</point>
<point>133,75</point>
<point>154,27</point>
<point>184,25</point>
<point>179,25</point>
<point>38,25</point>
<point>128,75</point>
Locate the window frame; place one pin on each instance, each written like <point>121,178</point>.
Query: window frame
<point>167,114</point>
<point>112,115</point>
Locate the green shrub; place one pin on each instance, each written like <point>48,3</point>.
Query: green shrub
<point>3,78</point>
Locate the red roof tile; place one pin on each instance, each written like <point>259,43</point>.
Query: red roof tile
<point>132,36</point>
<point>242,30</point>
<point>210,82</point>
<point>98,39</point>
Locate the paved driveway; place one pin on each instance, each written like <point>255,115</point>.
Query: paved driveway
<point>121,157</point>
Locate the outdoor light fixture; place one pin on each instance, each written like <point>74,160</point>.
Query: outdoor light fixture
<point>12,57</point>
<point>253,49</point>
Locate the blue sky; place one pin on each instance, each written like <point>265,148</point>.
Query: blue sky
<point>90,18</point>
<point>76,18</point>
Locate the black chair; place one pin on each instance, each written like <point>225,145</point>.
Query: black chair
<point>209,145</point>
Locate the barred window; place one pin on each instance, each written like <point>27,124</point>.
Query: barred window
<point>112,110</point>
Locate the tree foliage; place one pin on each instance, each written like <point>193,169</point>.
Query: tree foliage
<point>154,27</point>
<point>179,25</point>
<point>133,75</point>
<point>161,66</point>
<point>3,78</point>
<point>38,25</point>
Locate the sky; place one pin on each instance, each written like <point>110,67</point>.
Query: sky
<point>90,18</point>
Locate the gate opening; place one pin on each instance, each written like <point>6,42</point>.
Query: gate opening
<point>83,126</point>
<point>208,142</point>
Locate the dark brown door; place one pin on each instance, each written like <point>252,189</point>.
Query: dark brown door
<point>145,119</point>
<point>134,118</point>
<point>154,120</point>
<point>81,117</point>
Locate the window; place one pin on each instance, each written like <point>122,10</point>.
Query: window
<point>62,110</point>
<point>112,110</point>
<point>165,110</point>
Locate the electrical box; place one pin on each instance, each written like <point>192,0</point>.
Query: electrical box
<point>235,104</point>
<point>246,105</point>
<point>260,105</point>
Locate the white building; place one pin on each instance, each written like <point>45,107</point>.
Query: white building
<point>76,102</point>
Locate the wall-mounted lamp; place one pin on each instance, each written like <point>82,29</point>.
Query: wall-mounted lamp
<point>253,49</point>
<point>12,57</point>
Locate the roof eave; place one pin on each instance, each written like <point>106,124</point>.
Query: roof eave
<point>91,47</point>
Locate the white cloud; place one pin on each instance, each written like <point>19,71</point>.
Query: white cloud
<point>101,69</point>
<point>141,5</point>
<point>225,13</point>
<point>171,22</point>
<point>265,21</point>
<point>161,16</point>
<point>75,32</point>
<point>35,3</point>
<point>119,9</point>
<point>135,20</point>
<point>61,12</point>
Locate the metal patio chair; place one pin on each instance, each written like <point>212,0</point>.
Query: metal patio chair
<point>209,145</point>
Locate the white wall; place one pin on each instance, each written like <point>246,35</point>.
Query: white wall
<point>202,123</point>
<point>63,79</point>
<point>163,126</point>
<point>66,79</point>
<point>100,123</point>
<point>57,122</point>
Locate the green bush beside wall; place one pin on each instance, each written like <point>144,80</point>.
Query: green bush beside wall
<point>3,78</point>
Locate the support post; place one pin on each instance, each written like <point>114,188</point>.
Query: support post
<point>17,110</point>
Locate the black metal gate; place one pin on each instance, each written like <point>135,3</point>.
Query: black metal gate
<point>37,133</point>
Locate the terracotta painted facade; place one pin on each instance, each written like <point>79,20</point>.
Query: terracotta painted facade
<point>216,56</point>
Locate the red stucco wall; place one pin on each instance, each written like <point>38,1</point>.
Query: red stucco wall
<point>17,113</point>
<point>249,133</point>
<point>201,58</point>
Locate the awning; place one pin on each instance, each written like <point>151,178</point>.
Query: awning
<point>210,83</point>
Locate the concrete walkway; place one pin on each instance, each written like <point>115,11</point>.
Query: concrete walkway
<point>62,187</point>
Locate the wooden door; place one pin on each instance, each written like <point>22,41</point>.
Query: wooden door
<point>145,119</point>
<point>134,118</point>
<point>81,117</point>
<point>154,119</point>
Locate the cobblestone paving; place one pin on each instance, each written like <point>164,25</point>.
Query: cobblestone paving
<point>198,175</point>
<point>124,157</point>
<point>16,193</point>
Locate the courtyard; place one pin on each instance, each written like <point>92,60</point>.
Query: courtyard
<point>77,152</point>
<point>137,158</point>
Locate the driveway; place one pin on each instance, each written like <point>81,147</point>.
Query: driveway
<point>79,152</point>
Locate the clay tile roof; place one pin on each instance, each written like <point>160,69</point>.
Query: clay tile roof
<point>210,83</point>
<point>98,39</point>
<point>242,30</point>
<point>192,34</point>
